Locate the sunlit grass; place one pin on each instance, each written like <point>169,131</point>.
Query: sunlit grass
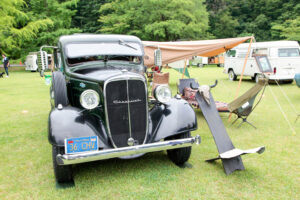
<point>26,165</point>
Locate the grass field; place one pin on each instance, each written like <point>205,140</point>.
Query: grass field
<point>26,165</point>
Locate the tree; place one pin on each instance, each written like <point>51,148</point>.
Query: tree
<point>289,30</point>
<point>161,20</point>
<point>16,27</point>
<point>59,12</point>
<point>265,19</point>
<point>221,23</point>
<point>87,15</point>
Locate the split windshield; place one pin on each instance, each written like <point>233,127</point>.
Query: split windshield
<point>79,53</point>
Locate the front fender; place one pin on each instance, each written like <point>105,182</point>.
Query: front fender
<point>70,122</point>
<point>171,119</point>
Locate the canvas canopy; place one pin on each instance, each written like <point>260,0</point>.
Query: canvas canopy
<point>174,51</point>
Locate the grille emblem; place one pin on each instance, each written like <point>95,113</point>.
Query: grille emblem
<point>132,142</point>
<point>125,101</point>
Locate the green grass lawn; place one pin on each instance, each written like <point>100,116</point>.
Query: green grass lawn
<point>26,164</point>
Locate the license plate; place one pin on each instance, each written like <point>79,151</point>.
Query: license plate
<point>82,144</point>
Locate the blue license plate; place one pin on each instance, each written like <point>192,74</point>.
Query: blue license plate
<point>82,144</point>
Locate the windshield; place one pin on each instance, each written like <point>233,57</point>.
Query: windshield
<point>75,50</point>
<point>82,53</point>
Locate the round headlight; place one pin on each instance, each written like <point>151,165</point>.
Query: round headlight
<point>163,93</point>
<point>89,99</point>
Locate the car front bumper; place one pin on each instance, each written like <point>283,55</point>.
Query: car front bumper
<point>68,159</point>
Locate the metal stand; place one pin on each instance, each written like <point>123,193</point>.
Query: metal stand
<point>244,121</point>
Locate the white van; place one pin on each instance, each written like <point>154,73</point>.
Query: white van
<point>31,62</point>
<point>284,57</point>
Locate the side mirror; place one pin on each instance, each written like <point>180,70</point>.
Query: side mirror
<point>158,58</point>
<point>42,62</point>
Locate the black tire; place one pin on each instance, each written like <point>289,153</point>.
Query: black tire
<point>257,77</point>
<point>180,156</point>
<point>59,89</point>
<point>63,173</point>
<point>231,75</point>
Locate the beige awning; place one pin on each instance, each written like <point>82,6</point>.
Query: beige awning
<point>174,51</point>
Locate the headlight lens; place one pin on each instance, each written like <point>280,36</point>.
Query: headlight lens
<point>89,99</point>
<point>163,93</point>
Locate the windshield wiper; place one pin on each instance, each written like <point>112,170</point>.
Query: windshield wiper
<point>121,42</point>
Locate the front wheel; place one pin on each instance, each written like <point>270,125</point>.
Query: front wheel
<point>231,75</point>
<point>257,77</point>
<point>58,91</point>
<point>63,173</point>
<point>181,155</point>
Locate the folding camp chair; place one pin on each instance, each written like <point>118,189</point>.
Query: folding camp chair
<point>242,106</point>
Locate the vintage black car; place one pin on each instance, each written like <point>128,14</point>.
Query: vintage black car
<point>100,107</point>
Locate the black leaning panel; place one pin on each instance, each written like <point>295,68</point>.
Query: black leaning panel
<point>219,133</point>
<point>215,124</point>
<point>138,109</point>
<point>117,112</point>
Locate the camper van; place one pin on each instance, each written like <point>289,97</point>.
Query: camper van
<point>31,62</point>
<point>284,57</point>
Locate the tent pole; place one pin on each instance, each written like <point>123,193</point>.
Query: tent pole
<point>184,69</point>
<point>241,77</point>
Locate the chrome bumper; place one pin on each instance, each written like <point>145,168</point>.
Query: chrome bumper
<point>69,159</point>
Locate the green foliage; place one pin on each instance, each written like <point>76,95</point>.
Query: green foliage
<point>290,29</point>
<point>222,24</point>
<point>87,15</point>
<point>161,20</point>
<point>25,25</point>
<point>59,13</point>
<point>267,20</point>
<point>16,27</point>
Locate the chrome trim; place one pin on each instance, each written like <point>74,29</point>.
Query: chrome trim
<point>122,77</point>
<point>68,159</point>
<point>128,107</point>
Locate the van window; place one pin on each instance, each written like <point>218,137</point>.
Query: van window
<point>242,54</point>
<point>262,51</point>
<point>289,52</point>
<point>231,53</point>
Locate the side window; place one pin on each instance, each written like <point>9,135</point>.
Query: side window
<point>231,53</point>
<point>260,51</point>
<point>289,52</point>
<point>242,54</point>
